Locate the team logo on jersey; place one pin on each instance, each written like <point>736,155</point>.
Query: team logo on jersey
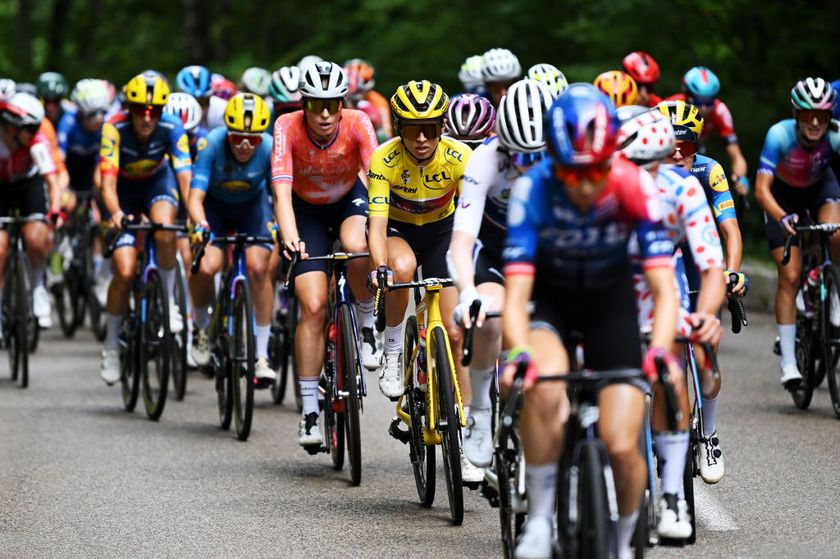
<point>236,186</point>
<point>437,177</point>
<point>406,176</point>
<point>183,144</point>
<point>377,176</point>
<point>453,154</point>
<point>717,179</point>
<point>389,160</point>
<point>201,144</point>
<point>726,204</point>
<point>141,167</point>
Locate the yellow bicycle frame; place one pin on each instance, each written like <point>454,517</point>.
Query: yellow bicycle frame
<point>431,307</point>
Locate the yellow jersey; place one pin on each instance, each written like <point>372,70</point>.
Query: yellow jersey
<point>402,190</point>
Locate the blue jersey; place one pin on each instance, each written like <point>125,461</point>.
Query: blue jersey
<point>74,139</point>
<point>122,153</point>
<point>198,141</point>
<point>570,248</point>
<point>791,162</point>
<point>221,176</point>
<point>711,176</point>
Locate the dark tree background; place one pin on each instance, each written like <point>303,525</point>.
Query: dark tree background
<point>757,49</point>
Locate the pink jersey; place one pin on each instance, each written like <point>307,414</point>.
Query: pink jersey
<point>321,174</point>
<point>26,162</point>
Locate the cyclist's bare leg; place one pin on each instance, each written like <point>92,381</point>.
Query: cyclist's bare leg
<point>830,213</point>
<point>164,212</point>
<point>263,295</point>
<point>311,292</point>
<point>124,262</point>
<point>183,244</point>
<point>352,237</point>
<point>403,264</point>
<point>38,243</point>
<point>487,344</point>
<point>4,252</point>
<point>619,426</point>
<point>202,282</point>
<point>788,283</point>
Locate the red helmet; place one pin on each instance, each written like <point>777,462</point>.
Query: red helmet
<point>642,67</point>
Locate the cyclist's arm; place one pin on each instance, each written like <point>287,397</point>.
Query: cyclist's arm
<point>199,184</point>
<point>771,153</point>
<point>179,155</point>
<point>660,279</point>
<point>475,183</point>
<point>518,289</point>
<point>763,182</point>
<point>282,173</point>
<point>44,160</point>
<point>379,190</point>
<point>109,167</point>
<point>739,163</point>
<point>732,239</point>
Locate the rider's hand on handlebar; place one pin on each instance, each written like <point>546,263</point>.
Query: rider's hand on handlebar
<point>706,328</point>
<point>199,232</point>
<point>116,220</point>
<point>788,222</point>
<point>741,184</point>
<point>290,247</point>
<point>373,279</point>
<point>737,283</point>
<point>649,365</point>
<point>462,310</point>
<point>57,217</point>
<point>517,355</point>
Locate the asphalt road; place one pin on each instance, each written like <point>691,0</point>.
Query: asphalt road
<point>80,477</point>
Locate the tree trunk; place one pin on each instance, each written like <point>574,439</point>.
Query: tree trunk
<point>25,37</point>
<point>194,32</point>
<point>58,22</point>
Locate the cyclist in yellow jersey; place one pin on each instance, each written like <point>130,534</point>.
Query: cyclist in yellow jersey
<point>412,184</point>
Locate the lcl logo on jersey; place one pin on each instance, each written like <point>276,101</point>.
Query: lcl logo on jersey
<point>453,154</point>
<point>437,177</point>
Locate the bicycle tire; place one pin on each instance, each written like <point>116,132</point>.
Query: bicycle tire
<point>451,431</point>
<point>10,320</point>
<point>334,425</point>
<point>640,533</point>
<point>33,330</point>
<point>830,332</point>
<point>278,351</point>
<point>689,473</point>
<point>25,316</point>
<point>224,393</point>
<point>506,469</point>
<point>422,456</point>
<point>594,529</point>
<point>291,357</point>
<point>243,359</point>
<point>96,310</point>
<point>180,340</point>
<point>129,362</point>
<point>349,360</point>
<point>65,294</point>
<point>805,356</point>
<point>155,345</point>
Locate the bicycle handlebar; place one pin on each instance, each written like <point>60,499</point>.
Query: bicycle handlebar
<point>128,225</point>
<point>466,349</point>
<point>736,306</point>
<point>824,228</point>
<point>31,218</point>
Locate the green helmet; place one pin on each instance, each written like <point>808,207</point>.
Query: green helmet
<point>52,86</point>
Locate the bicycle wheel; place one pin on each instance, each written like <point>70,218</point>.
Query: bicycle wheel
<point>422,456</point>
<point>155,345</point>
<point>594,528</point>
<point>333,420</point>
<point>25,319</point>
<point>66,295</point>
<point>224,392</point>
<point>33,331</point>
<point>278,349</point>
<point>181,339</point>
<point>9,318</point>
<point>243,357</point>
<point>129,362</point>
<point>506,464</point>
<point>830,322</point>
<point>97,312</point>
<point>449,425</point>
<point>348,360</point>
<point>806,352</point>
<point>689,472</point>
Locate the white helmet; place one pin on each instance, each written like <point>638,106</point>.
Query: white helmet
<point>814,94</point>
<point>91,95</point>
<point>284,85</point>
<point>255,80</point>
<point>500,65</point>
<point>519,118</point>
<point>551,76</point>
<point>186,108</point>
<point>646,136</point>
<point>7,89</point>
<point>323,80</point>
<point>470,74</point>
<point>23,109</point>
<point>307,60</point>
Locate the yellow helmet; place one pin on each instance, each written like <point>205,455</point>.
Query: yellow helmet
<point>422,100</point>
<point>619,87</point>
<point>248,113</point>
<point>147,89</point>
<point>686,119</point>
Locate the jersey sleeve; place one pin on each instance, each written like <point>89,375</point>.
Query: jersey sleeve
<point>42,156</point>
<point>478,177</point>
<point>282,166</point>
<point>203,168</point>
<point>524,223</point>
<point>366,137</point>
<point>379,187</point>
<point>771,152</point>
<point>65,128</point>
<point>696,216</point>
<point>723,121</point>
<point>109,150</point>
<point>723,205</point>
<point>179,149</point>
<point>641,205</point>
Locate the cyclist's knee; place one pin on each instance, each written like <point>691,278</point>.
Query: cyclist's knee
<point>491,331</point>
<point>403,266</point>
<point>788,278</point>
<point>544,398</point>
<point>258,269</point>
<point>621,446</point>
<point>313,308</point>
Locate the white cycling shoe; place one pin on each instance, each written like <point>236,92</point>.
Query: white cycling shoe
<point>42,307</point>
<point>201,347</point>
<point>470,473</point>
<point>536,540</point>
<point>309,433</point>
<point>478,437</point>
<point>711,459</point>
<point>370,352</point>
<point>790,375</point>
<point>176,321</point>
<point>391,375</point>
<point>109,369</point>
<point>674,523</point>
<point>263,371</point>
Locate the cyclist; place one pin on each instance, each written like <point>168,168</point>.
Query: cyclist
<point>26,163</point>
<point>229,191</point>
<point>621,88</point>
<point>7,89</point>
<point>647,137</point>
<point>550,76</point>
<point>469,119</point>
<point>688,125</point>
<point>319,154</point>
<point>470,75</point>
<point>643,68</point>
<point>221,91</point>
<point>569,224</point>
<point>500,69</point>
<point>307,60</point>
<point>700,88</point>
<point>478,236</point>
<point>52,87</point>
<point>360,95</point>
<point>137,179</point>
<point>795,179</point>
<point>284,90</point>
<point>255,80</point>
<point>414,179</point>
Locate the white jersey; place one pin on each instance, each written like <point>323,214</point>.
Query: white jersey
<point>688,217</point>
<point>485,190</point>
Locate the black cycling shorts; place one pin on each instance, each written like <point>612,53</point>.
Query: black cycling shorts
<point>805,202</point>
<point>429,243</point>
<point>487,263</point>
<point>318,224</point>
<point>28,196</point>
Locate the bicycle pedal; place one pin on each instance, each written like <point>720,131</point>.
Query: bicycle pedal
<point>793,384</point>
<point>314,449</point>
<point>395,431</point>
<point>472,485</point>
<point>490,493</point>
<point>262,384</point>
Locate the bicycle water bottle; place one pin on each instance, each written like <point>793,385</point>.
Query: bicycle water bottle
<point>330,364</point>
<point>55,268</point>
<point>421,361</point>
<point>810,291</point>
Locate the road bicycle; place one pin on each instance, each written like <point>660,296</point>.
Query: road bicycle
<point>281,342</point>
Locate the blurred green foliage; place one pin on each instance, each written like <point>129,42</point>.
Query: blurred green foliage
<point>758,49</point>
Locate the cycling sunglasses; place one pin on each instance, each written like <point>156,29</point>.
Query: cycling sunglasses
<point>94,114</point>
<point>317,106</point>
<point>430,130</point>
<point>243,140</point>
<point>138,109</point>
<point>704,102</point>
<point>31,128</point>
<point>524,160</point>
<point>686,149</point>
<point>574,176</point>
<point>808,116</point>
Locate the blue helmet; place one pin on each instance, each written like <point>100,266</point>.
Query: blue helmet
<point>194,80</point>
<point>582,127</point>
<point>701,82</point>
